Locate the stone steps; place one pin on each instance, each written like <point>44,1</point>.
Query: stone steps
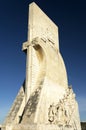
<point>40,127</point>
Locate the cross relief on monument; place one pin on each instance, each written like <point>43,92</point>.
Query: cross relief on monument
<point>45,101</point>
<point>46,32</point>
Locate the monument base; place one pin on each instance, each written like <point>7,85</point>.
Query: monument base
<point>50,107</point>
<point>39,127</point>
<point>60,115</point>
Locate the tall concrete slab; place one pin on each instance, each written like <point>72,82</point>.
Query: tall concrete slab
<point>48,103</point>
<point>40,25</point>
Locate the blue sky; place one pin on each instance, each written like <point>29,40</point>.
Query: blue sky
<point>70,16</point>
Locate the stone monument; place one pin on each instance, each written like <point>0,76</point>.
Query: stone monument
<point>45,101</point>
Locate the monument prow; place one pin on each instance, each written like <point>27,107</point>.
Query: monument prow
<point>45,101</point>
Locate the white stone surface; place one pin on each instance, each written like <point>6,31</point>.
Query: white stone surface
<point>40,25</point>
<point>48,102</point>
